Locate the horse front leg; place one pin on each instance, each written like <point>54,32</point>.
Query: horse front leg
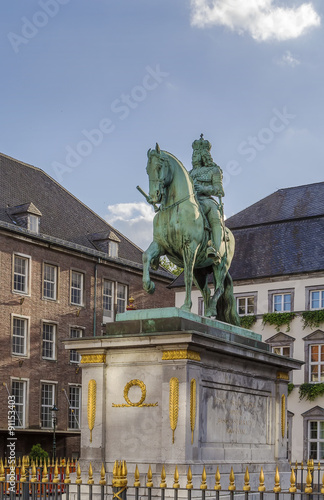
<point>152,253</point>
<point>189,258</point>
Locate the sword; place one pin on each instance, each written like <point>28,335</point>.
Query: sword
<point>148,198</point>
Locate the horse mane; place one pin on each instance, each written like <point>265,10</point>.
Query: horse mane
<point>179,164</point>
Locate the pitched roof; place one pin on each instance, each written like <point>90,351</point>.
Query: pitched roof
<point>281,234</point>
<point>63,216</point>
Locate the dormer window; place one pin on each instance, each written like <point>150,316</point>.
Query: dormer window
<point>27,216</point>
<point>107,242</point>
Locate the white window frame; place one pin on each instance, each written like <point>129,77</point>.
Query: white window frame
<point>20,416</point>
<point>52,282</point>
<point>317,363</point>
<point>108,314</point>
<point>321,299</point>
<point>49,341</point>
<point>246,305</point>
<point>282,302</point>
<point>281,293</point>
<point>25,337</point>
<point>80,288</point>
<point>33,223</point>
<point>46,408</point>
<point>121,301</point>
<point>74,414</point>
<point>113,249</point>
<point>318,440</point>
<point>75,357</point>
<point>26,285</point>
<point>278,349</point>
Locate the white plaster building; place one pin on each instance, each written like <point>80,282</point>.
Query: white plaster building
<point>279,267</point>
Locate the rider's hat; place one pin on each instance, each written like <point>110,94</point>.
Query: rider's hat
<point>201,144</point>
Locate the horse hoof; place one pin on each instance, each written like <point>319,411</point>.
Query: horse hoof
<point>149,288</point>
<point>185,308</point>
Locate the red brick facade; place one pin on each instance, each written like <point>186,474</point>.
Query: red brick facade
<point>32,367</point>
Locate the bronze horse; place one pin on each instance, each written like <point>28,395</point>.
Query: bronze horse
<point>179,233</point>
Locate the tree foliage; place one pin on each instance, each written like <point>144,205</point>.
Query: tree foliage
<point>167,264</point>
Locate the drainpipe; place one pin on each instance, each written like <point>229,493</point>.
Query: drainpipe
<point>95,298</point>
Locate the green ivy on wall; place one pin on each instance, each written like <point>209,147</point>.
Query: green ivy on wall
<point>290,388</point>
<point>311,391</point>
<point>247,321</point>
<point>313,319</point>
<point>277,319</point>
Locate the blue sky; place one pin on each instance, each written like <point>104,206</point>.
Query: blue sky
<point>88,86</point>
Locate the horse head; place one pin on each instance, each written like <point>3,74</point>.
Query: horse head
<point>160,173</point>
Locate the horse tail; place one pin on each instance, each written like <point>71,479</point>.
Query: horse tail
<point>226,305</point>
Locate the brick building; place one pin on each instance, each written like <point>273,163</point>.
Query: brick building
<point>64,273</point>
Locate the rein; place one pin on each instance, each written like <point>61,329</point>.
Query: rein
<point>162,209</point>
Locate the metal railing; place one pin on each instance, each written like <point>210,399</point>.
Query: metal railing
<point>42,483</point>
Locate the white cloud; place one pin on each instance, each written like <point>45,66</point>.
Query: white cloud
<point>259,18</point>
<point>288,60</point>
<point>134,220</point>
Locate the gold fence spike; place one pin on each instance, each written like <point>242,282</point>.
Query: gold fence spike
<point>102,480</point>
<point>189,484</point>
<point>203,485</point>
<point>44,475</point>
<point>247,486</point>
<point>319,465</point>
<point>5,463</point>
<point>33,478</point>
<point>176,478</point>
<point>23,473</point>
<point>296,465</point>
<point>19,462</point>
<point>292,488</point>
<point>302,466</point>
<point>163,477</point>
<point>277,488</point>
<point>261,487</point>
<point>78,478</point>
<point>232,481</point>
<point>308,488</point>
<point>217,486</point>
<point>90,473</point>
<point>115,468</point>
<point>2,472</point>
<point>137,482</point>
<point>56,478</point>
<point>149,483</point>
<point>67,479</point>
<point>124,469</point>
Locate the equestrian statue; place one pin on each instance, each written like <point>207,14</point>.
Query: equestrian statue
<point>189,227</point>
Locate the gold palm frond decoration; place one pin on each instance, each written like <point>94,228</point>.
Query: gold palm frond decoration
<point>174,404</point>
<point>92,395</point>
<point>193,404</point>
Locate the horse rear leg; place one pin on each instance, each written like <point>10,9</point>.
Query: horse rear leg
<point>201,281</point>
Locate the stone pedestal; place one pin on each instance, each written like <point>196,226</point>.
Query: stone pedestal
<point>175,388</point>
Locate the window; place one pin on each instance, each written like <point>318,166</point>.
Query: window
<point>316,439</point>
<point>113,249</point>
<point>75,333</point>
<point>121,298</point>
<point>245,305</point>
<point>74,407</point>
<point>19,336</point>
<point>19,391</point>
<point>108,298</point>
<point>47,402</point>
<point>317,299</point>
<point>33,223</point>
<point>282,302</point>
<point>21,273</point>
<point>316,362</point>
<point>49,334</point>
<point>282,350</point>
<point>113,293</point>
<point>50,282</point>
<point>77,288</point>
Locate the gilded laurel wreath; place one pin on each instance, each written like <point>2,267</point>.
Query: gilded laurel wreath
<point>174,404</point>
<point>130,384</point>
<point>92,395</point>
<point>193,404</point>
